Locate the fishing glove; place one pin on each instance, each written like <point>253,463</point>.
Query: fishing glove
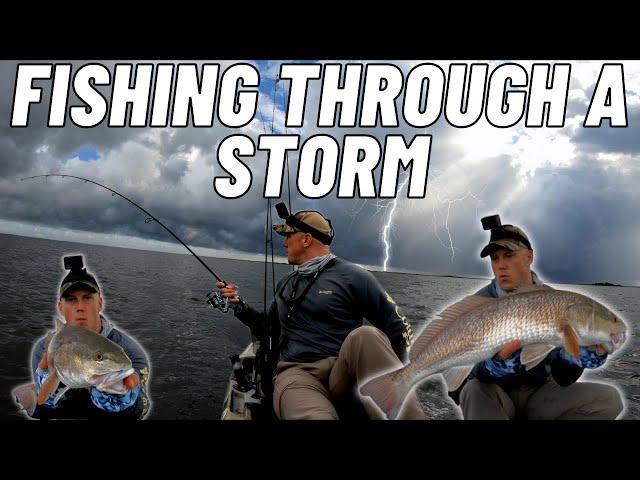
<point>496,367</point>
<point>111,402</point>
<point>588,358</point>
<point>40,377</point>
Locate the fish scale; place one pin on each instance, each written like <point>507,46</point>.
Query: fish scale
<point>479,334</point>
<point>79,357</point>
<point>476,328</point>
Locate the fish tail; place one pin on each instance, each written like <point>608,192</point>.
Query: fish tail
<point>388,392</point>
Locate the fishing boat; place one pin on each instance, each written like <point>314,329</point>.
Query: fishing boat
<point>244,397</point>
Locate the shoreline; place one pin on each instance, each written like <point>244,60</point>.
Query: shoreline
<point>367,267</point>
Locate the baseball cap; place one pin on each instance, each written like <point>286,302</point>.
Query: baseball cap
<point>78,279</point>
<point>308,221</point>
<point>506,236</point>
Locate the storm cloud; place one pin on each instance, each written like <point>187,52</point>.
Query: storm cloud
<point>573,189</point>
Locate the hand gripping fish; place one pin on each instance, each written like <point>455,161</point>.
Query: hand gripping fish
<point>476,328</point>
<point>79,358</point>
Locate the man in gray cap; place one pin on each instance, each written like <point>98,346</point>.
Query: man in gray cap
<point>325,352</point>
<point>500,387</point>
<point>80,304</point>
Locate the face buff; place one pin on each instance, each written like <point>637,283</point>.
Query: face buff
<point>312,266</point>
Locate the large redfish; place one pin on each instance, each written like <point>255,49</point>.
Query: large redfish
<point>80,358</point>
<point>477,328</point>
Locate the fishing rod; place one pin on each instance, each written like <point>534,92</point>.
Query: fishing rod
<point>214,298</point>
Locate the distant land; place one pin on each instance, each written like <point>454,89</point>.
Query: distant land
<point>373,268</point>
<point>202,252</point>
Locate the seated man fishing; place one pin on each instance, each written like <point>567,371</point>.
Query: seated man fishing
<point>88,350</point>
<point>501,387</point>
<point>324,349</point>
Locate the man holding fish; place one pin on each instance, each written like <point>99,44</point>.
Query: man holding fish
<point>86,368</point>
<point>501,387</point>
<point>516,348</point>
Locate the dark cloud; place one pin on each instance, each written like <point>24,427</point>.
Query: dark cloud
<point>586,226</point>
<point>614,140</point>
<point>573,213</point>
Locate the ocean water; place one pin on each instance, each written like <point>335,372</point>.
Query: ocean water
<point>159,298</point>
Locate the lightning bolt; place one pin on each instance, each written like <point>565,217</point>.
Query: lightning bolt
<point>356,212</point>
<point>387,227</point>
<point>439,220</point>
<point>449,202</point>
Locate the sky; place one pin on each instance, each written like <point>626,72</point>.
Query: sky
<point>574,190</point>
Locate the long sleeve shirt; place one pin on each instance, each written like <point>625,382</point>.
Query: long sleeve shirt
<point>315,321</point>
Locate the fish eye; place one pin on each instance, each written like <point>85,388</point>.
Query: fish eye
<point>99,357</point>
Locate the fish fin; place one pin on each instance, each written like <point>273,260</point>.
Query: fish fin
<point>25,396</point>
<point>571,342</point>
<point>60,323</point>
<point>448,316</point>
<point>530,288</point>
<point>387,392</point>
<point>48,338</point>
<point>456,376</point>
<point>59,396</point>
<point>532,354</point>
<point>48,387</point>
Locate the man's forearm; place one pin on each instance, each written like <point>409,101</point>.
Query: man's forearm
<point>256,321</point>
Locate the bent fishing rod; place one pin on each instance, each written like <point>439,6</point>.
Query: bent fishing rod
<point>214,298</point>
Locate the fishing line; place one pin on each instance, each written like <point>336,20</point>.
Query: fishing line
<point>146,220</point>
